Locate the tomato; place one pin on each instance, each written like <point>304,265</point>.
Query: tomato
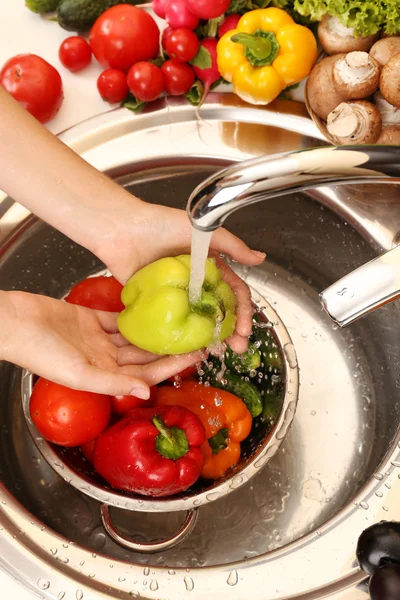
<point>188,373</point>
<point>166,33</point>
<point>99,293</point>
<point>120,405</point>
<point>179,77</point>
<point>88,450</point>
<point>182,44</point>
<point>208,9</point>
<point>75,53</point>
<point>35,84</point>
<point>124,35</point>
<point>145,81</point>
<point>68,417</point>
<point>112,85</point>
<point>228,24</point>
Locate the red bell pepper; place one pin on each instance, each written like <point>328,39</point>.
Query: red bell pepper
<point>152,451</point>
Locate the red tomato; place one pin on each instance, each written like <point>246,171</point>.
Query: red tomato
<point>99,293</point>
<point>68,417</point>
<point>182,44</point>
<point>166,33</point>
<point>112,85</point>
<point>188,373</point>
<point>35,84</point>
<point>178,77</point>
<point>88,450</point>
<point>145,81</point>
<point>124,35</point>
<point>228,24</point>
<point>75,53</point>
<point>120,405</point>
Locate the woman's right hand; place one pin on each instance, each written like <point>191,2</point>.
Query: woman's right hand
<point>79,347</point>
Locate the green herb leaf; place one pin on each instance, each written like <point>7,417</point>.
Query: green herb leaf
<point>219,441</point>
<point>131,103</point>
<point>195,94</point>
<point>202,59</point>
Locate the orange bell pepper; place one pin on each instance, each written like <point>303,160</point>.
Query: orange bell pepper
<point>225,417</point>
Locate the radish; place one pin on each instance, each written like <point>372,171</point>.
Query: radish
<point>208,9</point>
<point>178,15</point>
<point>159,7</point>
<point>211,74</point>
<point>228,24</point>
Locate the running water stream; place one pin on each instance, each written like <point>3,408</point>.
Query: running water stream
<point>200,246</point>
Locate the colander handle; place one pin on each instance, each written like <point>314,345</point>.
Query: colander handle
<point>151,547</point>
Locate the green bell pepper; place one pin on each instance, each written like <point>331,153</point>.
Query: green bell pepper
<point>158,316</point>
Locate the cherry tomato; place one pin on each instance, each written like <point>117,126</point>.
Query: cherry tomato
<point>228,24</point>
<point>182,44</point>
<point>75,53</point>
<point>145,81</point>
<point>112,85</point>
<point>120,405</point>
<point>166,33</point>
<point>208,9</point>
<point>177,15</point>
<point>124,35</point>
<point>99,293</point>
<point>68,417</point>
<point>88,450</point>
<point>178,77</point>
<point>35,84</point>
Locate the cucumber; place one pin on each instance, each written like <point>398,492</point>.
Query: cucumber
<point>233,383</point>
<point>79,15</point>
<point>265,341</point>
<point>272,399</point>
<point>42,6</point>
<point>243,363</point>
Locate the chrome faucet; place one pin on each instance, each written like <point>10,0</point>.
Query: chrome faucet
<point>252,181</point>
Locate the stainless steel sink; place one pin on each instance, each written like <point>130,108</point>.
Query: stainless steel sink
<point>292,531</point>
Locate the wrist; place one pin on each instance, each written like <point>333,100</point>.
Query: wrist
<point>9,319</point>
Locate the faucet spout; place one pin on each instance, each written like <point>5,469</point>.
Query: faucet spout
<point>267,177</point>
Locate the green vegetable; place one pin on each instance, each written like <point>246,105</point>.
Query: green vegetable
<point>202,59</point>
<point>42,6</point>
<point>243,363</point>
<point>366,17</point>
<point>79,15</point>
<point>133,104</point>
<point>195,94</point>
<point>171,441</point>
<point>233,383</point>
<point>159,317</point>
<point>272,404</point>
<point>263,337</point>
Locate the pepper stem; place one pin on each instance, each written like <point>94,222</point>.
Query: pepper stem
<point>260,48</point>
<point>171,442</point>
<point>219,441</point>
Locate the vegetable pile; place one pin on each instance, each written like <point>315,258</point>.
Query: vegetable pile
<point>195,427</point>
<point>355,91</point>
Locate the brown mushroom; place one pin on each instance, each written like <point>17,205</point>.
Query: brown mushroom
<point>356,75</point>
<point>390,135</point>
<point>321,92</point>
<point>389,113</point>
<point>356,122</point>
<point>384,49</point>
<point>336,38</point>
<point>389,84</point>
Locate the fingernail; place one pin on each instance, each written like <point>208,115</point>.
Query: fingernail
<point>260,254</point>
<point>142,393</point>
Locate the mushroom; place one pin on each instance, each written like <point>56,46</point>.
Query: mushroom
<point>321,92</point>
<point>336,38</point>
<point>390,135</point>
<point>384,49</point>
<point>356,75</point>
<point>356,122</point>
<point>389,113</point>
<point>389,84</point>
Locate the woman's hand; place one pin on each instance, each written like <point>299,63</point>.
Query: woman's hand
<point>78,347</point>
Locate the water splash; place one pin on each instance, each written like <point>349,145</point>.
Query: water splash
<point>200,245</point>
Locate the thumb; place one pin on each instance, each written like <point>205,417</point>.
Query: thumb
<point>113,383</point>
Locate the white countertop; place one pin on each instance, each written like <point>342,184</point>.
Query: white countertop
<point>22,31</point>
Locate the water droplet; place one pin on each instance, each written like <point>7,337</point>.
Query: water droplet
<point>385,508</point>
<point>364,505</point>
<point>121,579</point>
<point>61,595</point>
<point>134,594</point>
<point>395,463</point>
<point>232,578</point>
<point>379,494</point>
<point>79,595</point>
<point>290,354</point>
<point>43,584</point>
<point>53,551</point>
<point>63,559</point>
<point>94,555</point>
<point>92,575</point>
<point>146,571</point>
<point>378,476</point>
<point>189,583</point>
<point>313,413</point>
<point>171,571</point>
<point>153,585</point>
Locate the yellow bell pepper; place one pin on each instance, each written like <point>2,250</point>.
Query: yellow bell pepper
<point>266,53</point>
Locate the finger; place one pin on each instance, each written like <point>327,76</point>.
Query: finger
<point>108,320</point>
<point>118,340</point>
<point>162,369</point>
<point>227,243</point>
<point>112,383</point>
<point>131,355</point>
<point>238,343</point>
<point>245,310</point>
